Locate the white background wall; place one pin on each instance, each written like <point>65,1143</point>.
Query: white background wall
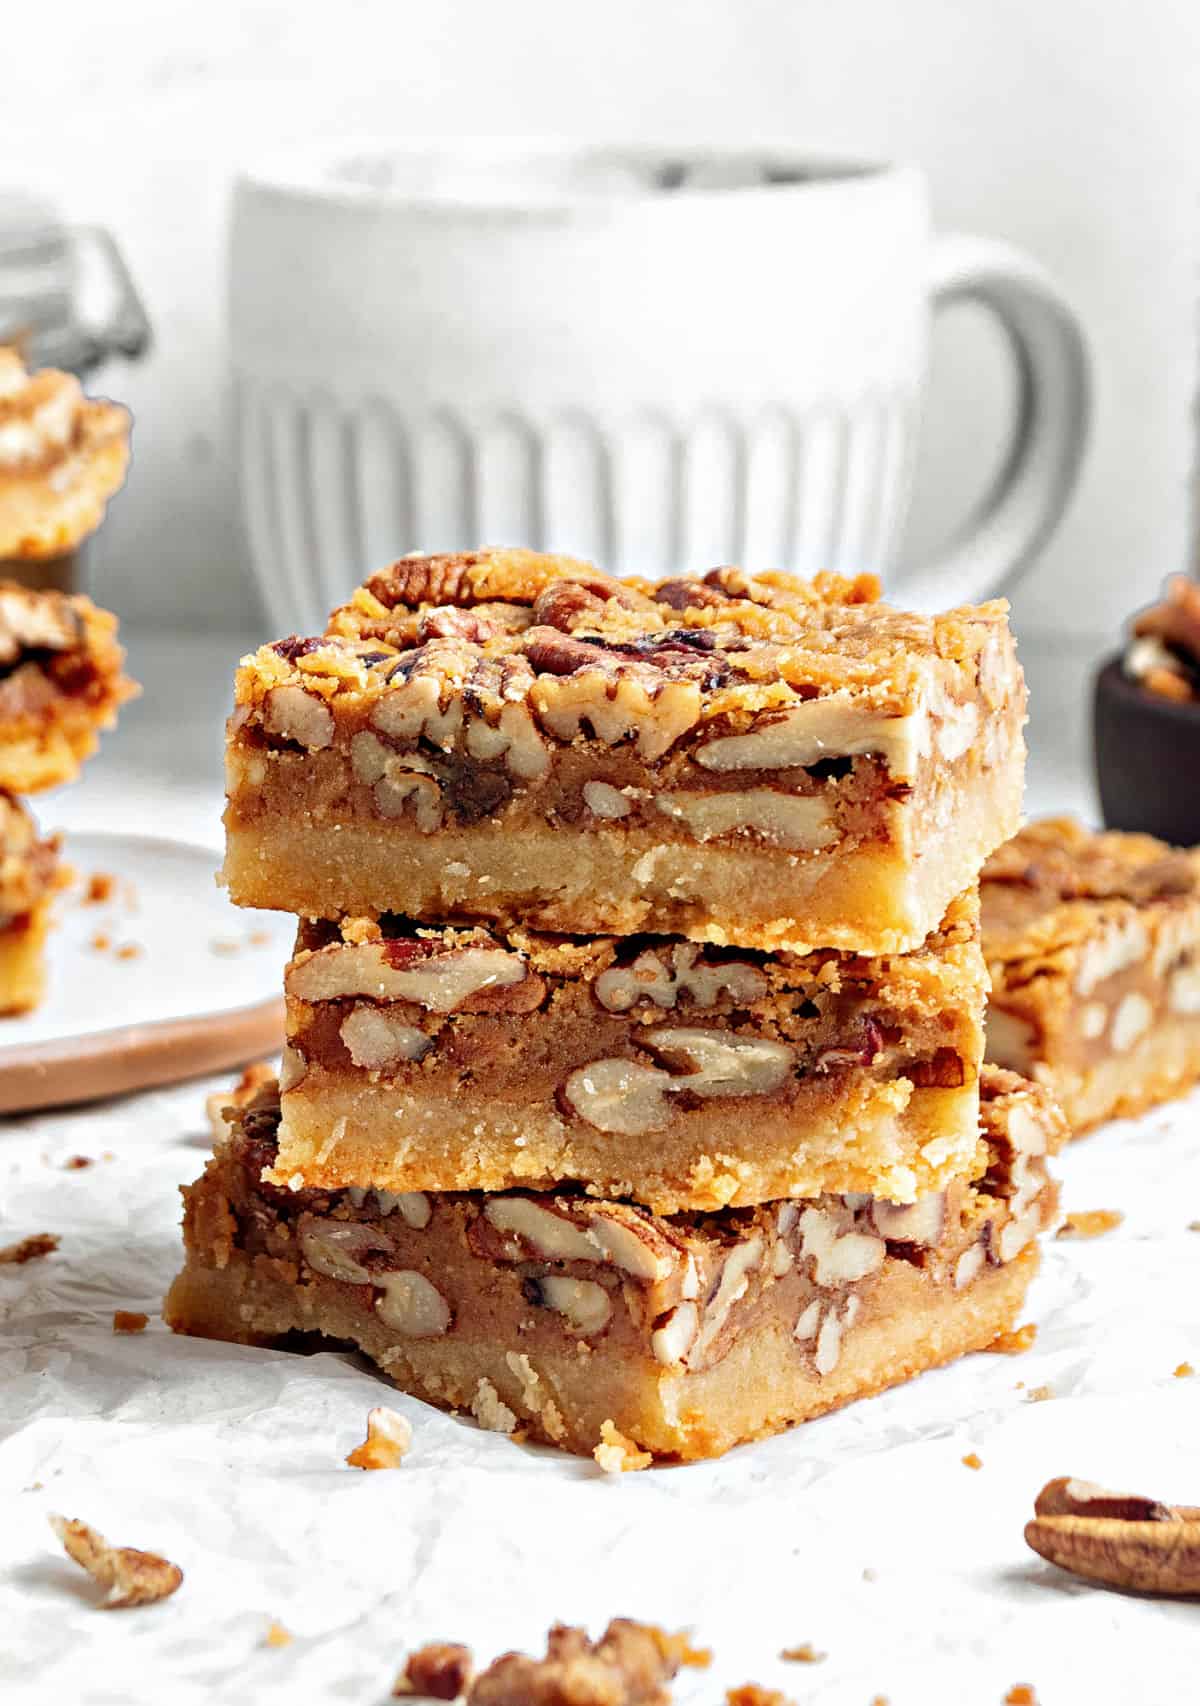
<point>1069,126</point>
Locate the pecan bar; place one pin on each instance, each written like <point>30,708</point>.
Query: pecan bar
<point>557,1313</point>
<point>768,762</point>
<point>29,876</point>
<point>682,1075</point>
<point>62,457</point>
<point>1093,948</point>
<point>61,682</point>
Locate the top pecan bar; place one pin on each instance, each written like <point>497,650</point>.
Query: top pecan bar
<point>764,761</point>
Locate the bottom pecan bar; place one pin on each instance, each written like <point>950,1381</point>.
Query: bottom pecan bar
<point>555,1313</point>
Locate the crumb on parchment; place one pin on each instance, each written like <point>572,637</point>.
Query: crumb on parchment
<point>973,1460</point>
<point>388,1442</point>
<point>129,1321</point>
<point>616,1454</point>
<point>1014,1343</point>
<point>1090,1223</point>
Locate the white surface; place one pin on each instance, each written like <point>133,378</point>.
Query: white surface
<point>231,1462</point>
<point>1069,129</point>
<point>197,955</point>
<point>651,358</point>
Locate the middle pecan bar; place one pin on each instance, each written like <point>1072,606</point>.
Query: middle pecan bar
<point>685,1077</point>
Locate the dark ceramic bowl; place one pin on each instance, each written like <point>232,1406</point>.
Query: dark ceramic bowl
<point>1147,759</point>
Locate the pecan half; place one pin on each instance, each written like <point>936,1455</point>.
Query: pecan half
<point>1120,1539</point>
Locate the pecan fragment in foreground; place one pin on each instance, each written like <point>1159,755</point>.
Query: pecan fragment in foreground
<point>1120,1539</point>
<point>131,1577</point>
<point>630,1665</point>
<point>440,1670</point>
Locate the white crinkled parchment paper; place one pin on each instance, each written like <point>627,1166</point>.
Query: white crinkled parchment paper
<point>862,1533</point>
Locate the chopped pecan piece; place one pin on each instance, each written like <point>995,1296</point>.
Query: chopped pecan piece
<point>130,1577</point>
<point>440,1670</point>
<point>629,1665</point>
<point>388,1442</point>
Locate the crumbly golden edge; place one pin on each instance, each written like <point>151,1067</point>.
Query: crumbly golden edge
<point>881,659</point>
<point>78,708</point>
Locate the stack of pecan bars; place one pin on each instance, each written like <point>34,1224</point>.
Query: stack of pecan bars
<point>635,1019</point>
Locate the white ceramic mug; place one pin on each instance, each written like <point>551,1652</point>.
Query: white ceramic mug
<point>659,359</point>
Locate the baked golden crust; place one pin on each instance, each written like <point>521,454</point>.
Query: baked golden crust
<point>559,1312</point>
<point>665,736</point>
<point>1092,942</point>
<point>62,457</point>
<point>649,1067</point>
<point>61,682</point>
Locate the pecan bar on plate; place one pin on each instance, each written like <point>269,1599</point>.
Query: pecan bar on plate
<point>1093,947</point>
<point>556,1313</point>
<point>61,682</point>
<point>29,875</point>
<point>683,1075</point>
<point>62,457</point>
<point>769,763</point>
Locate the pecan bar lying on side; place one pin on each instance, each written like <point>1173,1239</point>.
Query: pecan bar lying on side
<point>61,682</point>
<point>29,876</point>
<point>556,1313</point>
<point>1093,948</point>
<point>766,762</point>
<point>681,1075</point>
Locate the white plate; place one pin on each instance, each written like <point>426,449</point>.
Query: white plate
<point>163,979</point>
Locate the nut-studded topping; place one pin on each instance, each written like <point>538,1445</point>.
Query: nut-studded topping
<point>662,975</point>
<point>293,714</point>
<point>838,1258</point>
<point>377,1039</point>
<point>829,727</point>
<point>605,801</point>
<point>408,971</point>
<point>411,1305</point>
<point>584,1305</point>
<point>414,711</point>
<point>673,1338</point>
<point>802,821</point>
<point>336,1248</point>
<point>921,1222</point>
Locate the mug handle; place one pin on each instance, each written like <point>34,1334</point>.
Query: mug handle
<point>1054,388</point>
